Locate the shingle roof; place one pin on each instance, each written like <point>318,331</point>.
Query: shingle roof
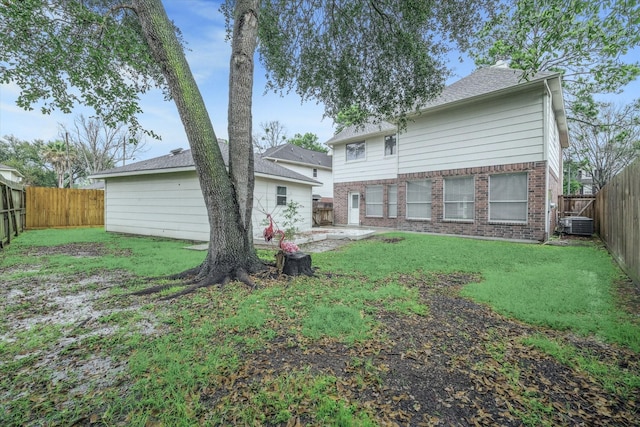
<point>293,153</point>
<point>481,82</point>
<point>184,159</point>
<point>352,132</point>
<point>10,168</point>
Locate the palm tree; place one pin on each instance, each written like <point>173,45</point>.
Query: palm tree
<point>59,156</point>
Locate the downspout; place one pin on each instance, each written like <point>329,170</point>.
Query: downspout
<point>397,183</point>
<point>545,139</point>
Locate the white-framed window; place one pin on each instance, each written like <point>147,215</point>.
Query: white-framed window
<point>419,199</point>
<point>508,197</point>
<point>392,201</point>
<point>373,200</point>
<point>355,151</point>
<point>315,172</point>
<point>281,196</point>
<point>459,196</point>
<point>390,145</point>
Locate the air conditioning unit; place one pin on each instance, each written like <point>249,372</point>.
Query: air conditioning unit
<point>580,225</point>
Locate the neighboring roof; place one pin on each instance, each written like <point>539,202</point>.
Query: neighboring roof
<point>11,168</point>
<point>294,154</point>
<point>98,185</point>
<point>483,82</point>
<point>182,160</point>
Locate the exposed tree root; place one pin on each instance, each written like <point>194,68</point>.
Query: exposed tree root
<point>196,278</point>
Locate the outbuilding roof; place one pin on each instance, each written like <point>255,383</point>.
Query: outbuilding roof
<point>182,160</point>
<point>294,154</point>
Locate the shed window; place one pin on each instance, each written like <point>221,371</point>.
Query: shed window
<point>459,195</point>
<point>373,200</point>
<point>419,199</point>
<point>281,196</point>
<point>508,197</point>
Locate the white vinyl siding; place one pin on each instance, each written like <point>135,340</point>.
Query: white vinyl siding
<point>553,139</point>
<point>392,201</point>
<point>171,205</point>
<point>459,196</point>
<point>377,165</point>
<point>325,176</point>
<point>493,132</point>
<point>508,198</point>
<point>373,201</point>
<point>419,199</point>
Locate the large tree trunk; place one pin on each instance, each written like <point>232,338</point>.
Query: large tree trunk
<point>244,41</point>
<point>231,253</point>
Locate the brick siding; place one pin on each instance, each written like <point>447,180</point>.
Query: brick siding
<point>534,229</point>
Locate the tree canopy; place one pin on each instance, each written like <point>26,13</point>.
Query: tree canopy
<point>379,57</point>
<point>383,57</point>
<point>585,40</point>
<point>26,157</point>
<point>608,143</point>
<point>309,141</point>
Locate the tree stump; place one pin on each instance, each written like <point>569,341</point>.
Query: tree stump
<point>295,264</point>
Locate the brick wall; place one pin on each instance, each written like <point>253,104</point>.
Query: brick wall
<point>534,229</point>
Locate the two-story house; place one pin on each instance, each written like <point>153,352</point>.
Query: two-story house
<point>312,164</point>
<point>481,159</point>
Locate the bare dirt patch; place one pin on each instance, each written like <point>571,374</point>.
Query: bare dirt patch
<point>73,249</point>
<point>461,364</point>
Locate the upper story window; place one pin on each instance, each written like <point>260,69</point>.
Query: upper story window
<point>390,145</point>
<point>459,195</point>
<point>355,151</point>
<point>315,172</point>
<point>281,196</point>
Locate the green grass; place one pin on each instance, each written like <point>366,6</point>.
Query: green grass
<point>613,378</point>
<point>565,288</point>
<point>143,256</point>
<point>193,370</point>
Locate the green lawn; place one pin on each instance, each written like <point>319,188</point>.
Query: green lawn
<point>144,362</point>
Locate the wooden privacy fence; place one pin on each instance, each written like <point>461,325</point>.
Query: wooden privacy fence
<point>617,218</point>
<point>577,206</point>
<point>64,207</point>
<point>12,210</point>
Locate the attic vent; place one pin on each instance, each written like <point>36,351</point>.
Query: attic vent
<point>176,151</point>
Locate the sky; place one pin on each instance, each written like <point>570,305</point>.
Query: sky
<point>208,55</point>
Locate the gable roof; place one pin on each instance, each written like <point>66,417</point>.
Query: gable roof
<point>10,168</point>
<point>484,82</point>
<point>294,154</point>
<point>182,160</point>
<point>359,131</point>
